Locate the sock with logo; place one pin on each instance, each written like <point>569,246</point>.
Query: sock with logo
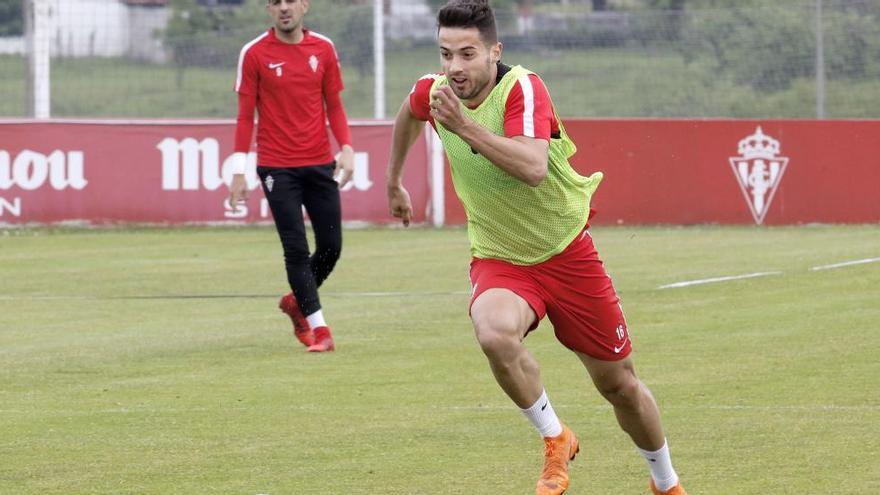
<point>543,417</point>
<point>660,465</point>
<point>316,319</point>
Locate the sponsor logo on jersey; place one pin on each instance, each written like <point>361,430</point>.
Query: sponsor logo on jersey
<point>277,68</point>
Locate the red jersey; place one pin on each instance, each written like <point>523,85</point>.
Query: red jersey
<point>528,111</point>
<point>290,83</point>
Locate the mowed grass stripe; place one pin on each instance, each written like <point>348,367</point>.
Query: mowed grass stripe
<point>766,385</point>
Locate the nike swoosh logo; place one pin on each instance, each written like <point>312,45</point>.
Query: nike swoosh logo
<point>618,349</point>
<point>544,406</point>
<point>275,66</point>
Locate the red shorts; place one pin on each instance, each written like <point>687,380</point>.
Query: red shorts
<point>572,289</point>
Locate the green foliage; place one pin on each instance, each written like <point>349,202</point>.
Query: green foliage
<point>667,4</point>
<point>212,37</point>
<point>694,4</point>
<point>852,44</point>
<point>11,18</point>
<point>497,5</point>
<point>204,36</point>
<point>344,24</point>
<point>653,27</point>
<point>583,83</point>
<point>768,46</point>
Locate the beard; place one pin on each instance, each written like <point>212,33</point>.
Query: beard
<point>478,84</point>
<point>290,27</point>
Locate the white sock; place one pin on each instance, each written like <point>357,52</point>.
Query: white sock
<point>661,467</point>
<point>316,319</point>
<point>543,417</point>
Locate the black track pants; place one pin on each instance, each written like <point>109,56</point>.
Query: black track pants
<point>288,190</point>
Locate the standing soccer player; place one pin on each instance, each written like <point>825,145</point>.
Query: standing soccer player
<point>528,213</point>
<point>291,75</point>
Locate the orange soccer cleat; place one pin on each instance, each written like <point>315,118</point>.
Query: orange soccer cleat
<point>301,329</point>
<point>559,451</point>
<point>323,341</point>
<point>675,490</point>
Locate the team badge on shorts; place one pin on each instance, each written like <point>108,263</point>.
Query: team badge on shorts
<point>269,183</point>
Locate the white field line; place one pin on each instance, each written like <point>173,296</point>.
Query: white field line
<point>845,263</point>
<point>485,407</point>
<point>230,296</point>
<point>717,407</point>
<point>717,279</point>
<point>45,298</point>
<point>675,285</point>
<point>397,294</point>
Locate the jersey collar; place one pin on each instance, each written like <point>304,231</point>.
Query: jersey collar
<point>274,39</point>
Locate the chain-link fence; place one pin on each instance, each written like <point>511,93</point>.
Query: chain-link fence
<point>177,58</point>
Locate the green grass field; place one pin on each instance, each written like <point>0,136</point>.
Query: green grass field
<point>154,361</point>
<point>583,83</point>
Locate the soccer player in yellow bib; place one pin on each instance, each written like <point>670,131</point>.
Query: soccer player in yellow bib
<point>528,214</point>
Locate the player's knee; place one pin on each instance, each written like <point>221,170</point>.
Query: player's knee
<point>329,254</point>
<point>294,253</point>
<point>622,390</point>
<point>294,258</point>
<point>496,333</point>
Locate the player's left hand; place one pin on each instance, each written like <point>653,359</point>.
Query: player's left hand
<point>344,166</point>
<point>446,109</point>
<point>238,191</point>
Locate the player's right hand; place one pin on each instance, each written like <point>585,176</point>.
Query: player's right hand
<point>400,204</point>
<point>238,191</point>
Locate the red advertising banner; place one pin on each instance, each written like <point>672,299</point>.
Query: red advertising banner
<point>727,172</point>
<point>167,172</point>
<point>656,171</point>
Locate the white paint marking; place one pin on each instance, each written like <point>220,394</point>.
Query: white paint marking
<point>716,407</point>
<point>717,279</point>
<point>395,294</point>
<point>814,408</point>
<point>845,263</point>
<point>42,297</point>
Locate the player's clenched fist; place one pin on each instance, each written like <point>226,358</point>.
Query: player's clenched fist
<point>399,203</point>
<point>446,108</point>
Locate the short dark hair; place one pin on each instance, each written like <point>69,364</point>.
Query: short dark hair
<point>469,14</point>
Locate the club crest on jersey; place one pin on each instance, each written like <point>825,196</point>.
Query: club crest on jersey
<point>269,182</point>
<point>313,63</point>
<point>759,170</point>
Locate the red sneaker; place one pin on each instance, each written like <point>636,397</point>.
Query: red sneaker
<point>323,341</point>
<point>301,329</point>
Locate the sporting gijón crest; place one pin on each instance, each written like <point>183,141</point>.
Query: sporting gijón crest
<point>759,170</point>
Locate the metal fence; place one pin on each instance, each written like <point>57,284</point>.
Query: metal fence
<point>124,58</point>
